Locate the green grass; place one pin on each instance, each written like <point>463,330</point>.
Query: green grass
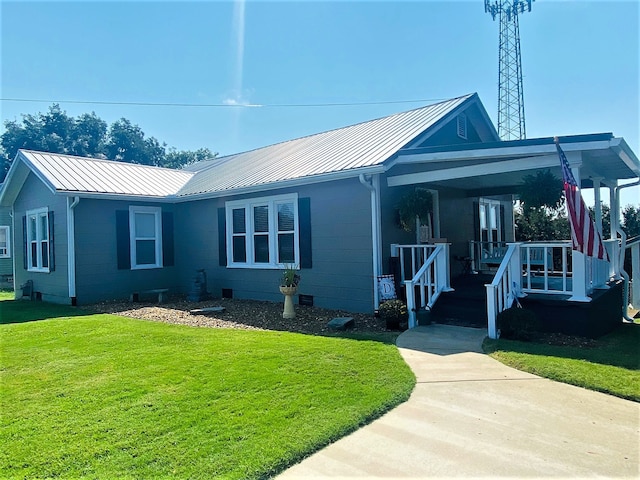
<point>103,396</point>
<point>612,366</point>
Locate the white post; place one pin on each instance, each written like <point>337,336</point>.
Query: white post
<point>635,269</point>
<point>515,269</point>
<point>579,263</point>
<point>491,312</point>
<point>443,269</point>
<point>411,303</point>
<point>597,206</point>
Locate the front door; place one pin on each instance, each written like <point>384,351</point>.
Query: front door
<point>490,221</point>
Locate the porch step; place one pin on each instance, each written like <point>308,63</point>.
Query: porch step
<point>466,305</point>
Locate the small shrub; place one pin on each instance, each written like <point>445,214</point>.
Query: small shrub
<point>518,323</point>
<point>394,313</point>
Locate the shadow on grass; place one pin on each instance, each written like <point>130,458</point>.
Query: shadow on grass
<point>21,311</point>
<point>620,348</point>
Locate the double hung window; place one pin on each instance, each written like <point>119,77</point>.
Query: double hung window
<point>263,232</point>
<point>38,240</point>
<point>145,227</point>
<point>5,242</point>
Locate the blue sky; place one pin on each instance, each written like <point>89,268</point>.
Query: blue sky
<point>580,61</point>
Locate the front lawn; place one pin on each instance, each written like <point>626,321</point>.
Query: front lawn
<point>103,396</point>
<point>611,365</point>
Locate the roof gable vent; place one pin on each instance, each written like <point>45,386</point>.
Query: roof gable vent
<point>462,125</point>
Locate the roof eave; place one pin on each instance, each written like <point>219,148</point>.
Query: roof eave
<point>9,192</point>
<point>291,183</point>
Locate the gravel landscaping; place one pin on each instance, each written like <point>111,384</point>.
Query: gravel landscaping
<point>241,314</point>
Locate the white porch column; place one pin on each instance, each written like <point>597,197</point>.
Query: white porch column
<point>579,264</point>
<point>635,268</point>
<point>597,206</point>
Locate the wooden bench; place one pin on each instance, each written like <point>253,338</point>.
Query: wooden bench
<point>160,292</point>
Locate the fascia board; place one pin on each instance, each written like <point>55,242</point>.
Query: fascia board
<point>18,172</point>
<point>298,182</point>
<point>433,129</point>
<point>116,196</point>
<point>36,171</point>
<point>620,147</point>
<point>487,119</point>
<point>497,152</point>
<point>520,164</point>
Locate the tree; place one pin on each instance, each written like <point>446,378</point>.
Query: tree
<point>126,143</point>
<point>540,215</point>
<point>88,135</point>
<point>536,224</point>
<point>178,158</point>
<point>631,220</point>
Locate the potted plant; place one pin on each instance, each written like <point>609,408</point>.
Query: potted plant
<point>394,313</point>
<point>288,287</point>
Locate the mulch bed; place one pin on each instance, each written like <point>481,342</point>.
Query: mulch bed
<point>241,314</point>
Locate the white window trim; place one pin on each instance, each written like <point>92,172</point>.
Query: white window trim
<point>248,205</point>
<point>38,213</point>
<point>8,236</point>
<point>157,211</point>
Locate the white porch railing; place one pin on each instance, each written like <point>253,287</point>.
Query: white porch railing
<point>505,288</point>
<point>545,267</point>
<point>429,267</point>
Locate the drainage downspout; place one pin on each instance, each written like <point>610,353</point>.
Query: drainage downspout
<point>623,246</point>
<point>372,184</point>
<point>71,247</point>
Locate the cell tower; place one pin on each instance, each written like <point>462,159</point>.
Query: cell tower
<point>511,124</point>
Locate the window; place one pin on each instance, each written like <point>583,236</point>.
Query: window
<point>263,232</point>
<point>145,227</point>
<point>5,242</point>
<point>490,222</point>
<point>38,240</point>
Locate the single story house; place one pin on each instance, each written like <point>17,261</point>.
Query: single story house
<point>87,230</point>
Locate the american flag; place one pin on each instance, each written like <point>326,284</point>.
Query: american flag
<point>584,235</point>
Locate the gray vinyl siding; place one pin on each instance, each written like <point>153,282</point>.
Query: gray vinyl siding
<point>97,275</point>
<point>341,275</point>
<point>52,286</point>
<point>6,264</point>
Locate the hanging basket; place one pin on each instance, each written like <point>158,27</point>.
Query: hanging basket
<point>418,203</point>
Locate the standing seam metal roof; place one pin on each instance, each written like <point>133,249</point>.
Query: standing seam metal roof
<point>362,145</point>
<point>88,175</point>
<point>366,144</point>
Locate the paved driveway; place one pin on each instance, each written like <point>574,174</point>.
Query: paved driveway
<point>470,416</point>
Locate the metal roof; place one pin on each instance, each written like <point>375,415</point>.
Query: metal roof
<point>88,175</point>
<point>358,146</point>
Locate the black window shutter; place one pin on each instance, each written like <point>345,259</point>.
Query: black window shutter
<point>222,237</point>
<point>122,240</point>
<point>25,262</point>
<point>52,243</point>
<point>304,230</point>
<point>502,226</point>
<point>476,221</point>
<point>167,240</point>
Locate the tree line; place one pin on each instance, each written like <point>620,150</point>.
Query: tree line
<point>87,135</point>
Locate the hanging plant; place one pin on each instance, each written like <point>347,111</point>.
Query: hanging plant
<point>418,203</point>
<point>543,189</point>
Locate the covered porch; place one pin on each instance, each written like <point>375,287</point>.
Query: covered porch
<point>486,174</point>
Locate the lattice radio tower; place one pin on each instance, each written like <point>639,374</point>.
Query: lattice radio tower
<point>511,124</point>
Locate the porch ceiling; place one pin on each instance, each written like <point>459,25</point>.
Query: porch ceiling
<point>501,166</point>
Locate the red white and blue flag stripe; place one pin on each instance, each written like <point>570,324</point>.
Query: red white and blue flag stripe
<point>584,235</point>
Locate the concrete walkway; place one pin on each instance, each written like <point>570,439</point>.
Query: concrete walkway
<point>470,416</point>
